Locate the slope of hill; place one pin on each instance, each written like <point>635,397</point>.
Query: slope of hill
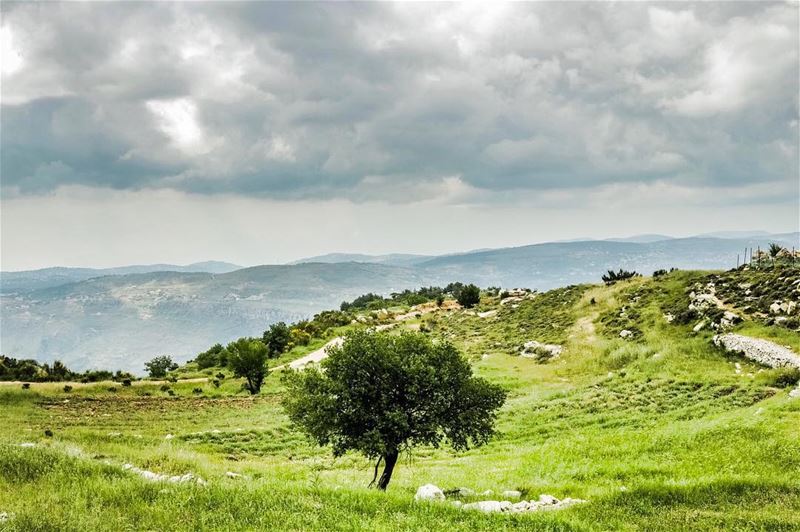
<point>660,430</point>
<point>124,320</point>
<point>14,282</point>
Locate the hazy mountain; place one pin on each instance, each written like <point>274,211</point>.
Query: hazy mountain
<point>12,282</point>
<point>121,320</point>
<point>641,239</point>
<point>395,259</point>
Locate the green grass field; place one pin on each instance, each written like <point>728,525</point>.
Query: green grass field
<point>657,432</point>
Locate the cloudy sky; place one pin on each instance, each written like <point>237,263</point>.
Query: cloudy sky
<point>263,132</point>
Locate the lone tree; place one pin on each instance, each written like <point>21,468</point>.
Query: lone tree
<point>381,394</point>
<point>775,250</point>
<point>276,338</point>
<point>247,357</point>
<point>469,296</point>
<point>159,366</point>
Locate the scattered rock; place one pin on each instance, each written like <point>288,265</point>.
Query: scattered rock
<point>26,444</point>
<point>4,516</point>
<point>489,506</point>
<point>158,477</point>
<point>487,493</point>
<point>700,326</point>
<point>795,392</point>
<point>547,499</point>
<point>457,504</point>
<point>762,351</point>
<point>540,352</point>
<point>487,314</point>
<point>231,474</point>
<point>464,492</point>
<point>512,494</point>
<point>669,317</point>
<point>429,492</point>
<point>168,437</point>
<point>625,333</point>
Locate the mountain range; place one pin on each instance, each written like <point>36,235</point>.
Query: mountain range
<point>120,317</point>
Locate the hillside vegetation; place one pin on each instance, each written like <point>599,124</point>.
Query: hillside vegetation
<point>631,407</point>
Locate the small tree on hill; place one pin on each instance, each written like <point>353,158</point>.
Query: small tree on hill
<point>247,357</point>
<point>380,394</point>
<point>159,366</point>
<point>469,296</point>
<point>612,277</point>
<point>276,338</point>
<point>775,250</point>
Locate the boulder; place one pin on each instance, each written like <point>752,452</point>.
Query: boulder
<point>625,333</point>
<point>700,326</point>
<point>545,499</point>
<point>795,392</point>
<point>539,351</point>
<point>429,492</point>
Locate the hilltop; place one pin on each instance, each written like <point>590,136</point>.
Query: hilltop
<point>618,396</point>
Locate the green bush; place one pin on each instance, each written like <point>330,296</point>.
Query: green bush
<point>785,377</point>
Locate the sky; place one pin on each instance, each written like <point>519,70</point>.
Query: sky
<point>134,133</point>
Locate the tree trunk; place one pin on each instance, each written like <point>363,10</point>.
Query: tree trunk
<point>389,460</point>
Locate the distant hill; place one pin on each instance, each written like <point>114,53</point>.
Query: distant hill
<point>12,282</point>
<point>121,317</point>
<point>641,239</point>
<point>395,259</point>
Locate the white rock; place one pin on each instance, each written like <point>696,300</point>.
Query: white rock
<point>26,444</point>
<point>429,492</point>
<point>487,493</point>
<point>457,504</point>
<point>489,506</point>
<point>465,492</point>
<point>168,437</point>
<point>762,351</point>
<point>512,494</point>
<point>521,506</point>
<point>487,314</point>
<point>231,474</point>
<point>547,499</point>
<point>538,350</point>
<point>795,392</point>
<point>699,327</point>
<point>669,317</point>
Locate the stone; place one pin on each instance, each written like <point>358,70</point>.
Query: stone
<point>465,492</point>
<point>457,504</point>
<point>429,492</point>
<point>487,493</point>
<point>761,351</point>
<point>669,317</point>
<point>775,308</point>
<point>547,499</point>
<point>700,326</point>
<point>231,474</point>
<point>539,351</point>
<point>489,506</point>
<point>521,506</point>
<point>512,494</point>
<point>625,333</point>
<point>795,392</point>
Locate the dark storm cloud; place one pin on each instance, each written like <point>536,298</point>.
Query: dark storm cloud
<point>381,101</point>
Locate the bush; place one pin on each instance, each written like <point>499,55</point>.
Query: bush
<point>126,382</point>
<point>469,296</point>
<point>220,376</point>
<point>197,391</point>
<point>26,386</point>
<point>786,377</point>
<point>171,393</point>
<point>276,338</point>
<point>159,366</point>
<point>621,275</point>
<point>214,356</point>
<point>165,388</point>
<point>67,388</point>
<point>112,389</point>
<point>216,383</point>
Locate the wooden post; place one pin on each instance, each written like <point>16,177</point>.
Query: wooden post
<point>737,261</point>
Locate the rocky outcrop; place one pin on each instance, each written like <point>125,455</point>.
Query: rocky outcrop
<point>158,477</point>
<point>761,351</point>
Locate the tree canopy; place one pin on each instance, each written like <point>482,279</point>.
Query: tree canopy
<point>380,394</point>
<point>469,296</point>
<point>159,366</point>
<point>247,357</point>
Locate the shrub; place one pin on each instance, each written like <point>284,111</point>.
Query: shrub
<point>277,338</point>
<point>469,296</point>
<point>26,386</point>
<point>112,389</point>
<point>216,383</point>
<point>786,377</point>
<point>48,433</point>
<point>621,275</point>
<point>164,388</point>
<point>220,376</point>
<point>159,366</point>
<point>197,391</point>
<point>171,393</point>
<point>126,382</point>
<point>67,388</point>
<point>659,273</point>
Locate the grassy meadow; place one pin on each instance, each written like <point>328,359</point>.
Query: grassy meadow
<point>657,432</point>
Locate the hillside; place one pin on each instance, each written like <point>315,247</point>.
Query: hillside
<point>658,429</point>
<point>123,319</point>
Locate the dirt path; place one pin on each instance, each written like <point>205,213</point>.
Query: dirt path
<point>313,357</point>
